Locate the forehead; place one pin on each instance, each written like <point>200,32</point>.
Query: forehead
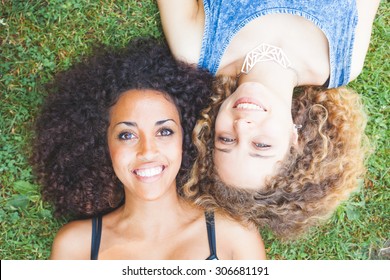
<point>145,101</point>
<point>242,170</point>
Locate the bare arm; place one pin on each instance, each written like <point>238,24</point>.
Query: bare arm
<point>366,12</point>
<point>183,22</point>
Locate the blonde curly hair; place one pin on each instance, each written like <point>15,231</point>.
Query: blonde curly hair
<point>320,172</point>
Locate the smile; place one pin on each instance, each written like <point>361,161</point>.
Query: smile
<point>248,104</point>
<point>149,172</point>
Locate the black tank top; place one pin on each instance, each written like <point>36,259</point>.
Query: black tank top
<point>97,234</point>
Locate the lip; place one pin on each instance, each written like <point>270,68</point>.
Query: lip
<point>149,174</point>
<point>249,101</point>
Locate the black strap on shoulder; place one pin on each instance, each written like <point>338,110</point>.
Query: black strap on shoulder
<point>96,236</point>
<point>326,84</point>
<point>210,223</point>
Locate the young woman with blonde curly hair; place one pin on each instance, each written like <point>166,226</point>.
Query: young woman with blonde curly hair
<point>320,171</point>
<point>261,139</point>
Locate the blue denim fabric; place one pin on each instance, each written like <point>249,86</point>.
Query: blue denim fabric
<point>336,18</point>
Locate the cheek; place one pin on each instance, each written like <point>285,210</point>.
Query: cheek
<point>278,128</point>
<point>224,116</point>
<point>118,155</point>
<point>222,122</point>
<point>174,150</point>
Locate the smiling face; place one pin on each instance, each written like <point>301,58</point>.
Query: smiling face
<point>145,143</point>
<point>253,132</point>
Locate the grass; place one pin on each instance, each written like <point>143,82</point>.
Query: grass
<point>39,38</point>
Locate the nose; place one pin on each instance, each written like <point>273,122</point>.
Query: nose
<point>148,150</point>
<point>243,124</point>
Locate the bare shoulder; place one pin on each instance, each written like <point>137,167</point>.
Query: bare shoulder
<point>366,14</point>
<point>73,241</point>
<point>237,241</point>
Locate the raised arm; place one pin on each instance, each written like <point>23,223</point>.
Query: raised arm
<point>366,12</point>
<point>183,22</point>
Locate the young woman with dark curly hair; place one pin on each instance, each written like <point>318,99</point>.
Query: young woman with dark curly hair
<point>262,130</point>
<point>113,148</point>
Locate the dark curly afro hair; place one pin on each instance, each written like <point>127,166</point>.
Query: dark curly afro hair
<point>70,152</point>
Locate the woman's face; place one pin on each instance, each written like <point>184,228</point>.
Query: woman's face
<point>145,143</point>
<point>253,132</point>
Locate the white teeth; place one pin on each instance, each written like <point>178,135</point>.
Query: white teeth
<point>149,172</point>
<point>249,106</point>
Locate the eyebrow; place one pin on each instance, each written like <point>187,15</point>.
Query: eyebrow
<point>134,124</point>
<point>250,154</point>
<point>164,121</point>
<point>260,156</point>
<point>127,124</point>
<point>223,150</point>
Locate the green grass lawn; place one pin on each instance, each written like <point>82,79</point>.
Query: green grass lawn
<point>39,38</point>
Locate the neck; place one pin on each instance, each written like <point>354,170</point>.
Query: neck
<point>154,219</point>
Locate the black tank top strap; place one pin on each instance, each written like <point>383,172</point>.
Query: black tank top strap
<point>96,236</point>
<point>210,223</point>
<point>326,84</point>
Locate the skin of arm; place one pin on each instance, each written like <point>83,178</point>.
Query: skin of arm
<point>366,12</point>
<point>183,23</point>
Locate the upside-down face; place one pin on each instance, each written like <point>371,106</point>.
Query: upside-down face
<point>253,132</point>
